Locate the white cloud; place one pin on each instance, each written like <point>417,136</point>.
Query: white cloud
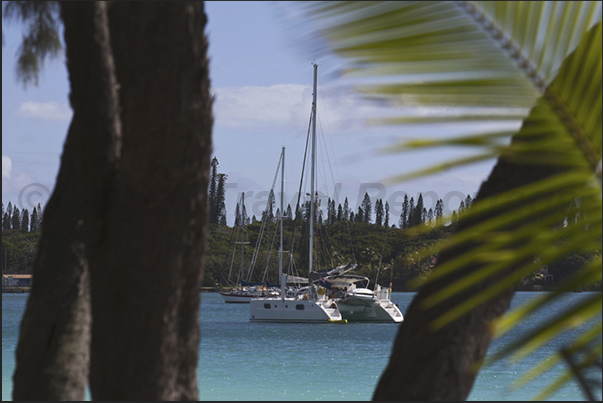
<point>288,107</point>
<point>258,107</point>
<point>7,167</point>
<point>45,110</point>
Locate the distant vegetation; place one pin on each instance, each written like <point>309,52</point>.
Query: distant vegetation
<point>342,237</point>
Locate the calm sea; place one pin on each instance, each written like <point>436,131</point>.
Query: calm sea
<point>239,360</point>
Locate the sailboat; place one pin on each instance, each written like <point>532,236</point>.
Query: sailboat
<point>313,306</point>
<point>245,291</point>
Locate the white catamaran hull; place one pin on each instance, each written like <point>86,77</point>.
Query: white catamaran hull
<point>363,305</point>
<point>377,311</point>
<point>293,311</point>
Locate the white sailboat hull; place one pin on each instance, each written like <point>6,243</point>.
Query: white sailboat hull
<point>362,310</point>
<point>293,311</point>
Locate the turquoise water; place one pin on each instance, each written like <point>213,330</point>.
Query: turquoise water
<point>239,360</point>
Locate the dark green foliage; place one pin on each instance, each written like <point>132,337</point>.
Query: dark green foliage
<point>9,218</point>
<point>403,223</point>
<point>18,250</point>
<point>386,220</point>
<point>41,37</point>
<point>25,220</point>
<point>39,217</point>
<point>217,194</point>
<point>359,216</point>
<point>5,222</point>
<point>237,216</point>
<point>367,208</point>
<point>221,197</point>
<point>16,219</point>
<point>411,213</point>
<point>213,187</point>
<point>379,212</point>
<point>33,222</point>
<point>346,210</point>
<point>341,242</point>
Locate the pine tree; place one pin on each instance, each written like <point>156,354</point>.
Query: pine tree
<point>346,210</point>
<point>430,216</point>
<point>333,213</point>
<point>271,204</point>
<point>439,211</point>
<point>405,213</point>
<point>417,215</point>
<point>379,212</point>
<point>16,220</point>
<point>25,220</point>
<point>367,208</point>
<point>411,213</point>
<point>5,222</point>
<point>359,216</point>
<point>237,216</point>
<point>244,216</point>
<point>9,211</point>
<point>213,183</point>
<point>289,215</point>
<point>39,215</point>
<point>386,221</point>
<point>351,218</point>
<point>468,201</point>
<point>454,217</point>
<point>339,213</point>
<point>221,199</point>
<point>461,207</point>
<point>33,220</point>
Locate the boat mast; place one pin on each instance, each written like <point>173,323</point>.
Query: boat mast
<point>241,218</point>
<point>313,162</point>
<point>282,278</point>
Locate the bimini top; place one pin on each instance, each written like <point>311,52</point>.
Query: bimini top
<point>343,281</point>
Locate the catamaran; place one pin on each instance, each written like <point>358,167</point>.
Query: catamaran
<point>356,301</point>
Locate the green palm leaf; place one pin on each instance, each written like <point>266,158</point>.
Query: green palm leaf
<point>491,61</point>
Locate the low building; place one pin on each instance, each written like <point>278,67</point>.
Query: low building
<point>16,280</point>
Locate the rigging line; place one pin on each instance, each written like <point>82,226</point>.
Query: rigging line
<point>328,158</point>
<point>232,261</point>
<point>381,258</point>
<point>269,254</point>
<point>297,211</point>
<point>262,227</point>
<point>322,160</point>
<point>226,256</point>
<point>323,103</point>
<point>242,224</point>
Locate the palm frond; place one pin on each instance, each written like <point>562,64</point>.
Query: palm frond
<point>469,61</point>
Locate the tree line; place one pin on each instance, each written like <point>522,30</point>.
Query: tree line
<point>412,214</point>
<point>14,219</point>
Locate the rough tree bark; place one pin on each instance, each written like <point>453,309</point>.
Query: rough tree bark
<point>52,357</point>
<point>125,229</point>
<point>146,271</point>
<point>440,365</point>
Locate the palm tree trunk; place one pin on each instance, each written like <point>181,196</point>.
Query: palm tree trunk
<point>443,364</point>
<point>147,268</point>
<point>54,340</point>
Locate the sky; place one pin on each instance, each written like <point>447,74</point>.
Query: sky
<point>261,75</point>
